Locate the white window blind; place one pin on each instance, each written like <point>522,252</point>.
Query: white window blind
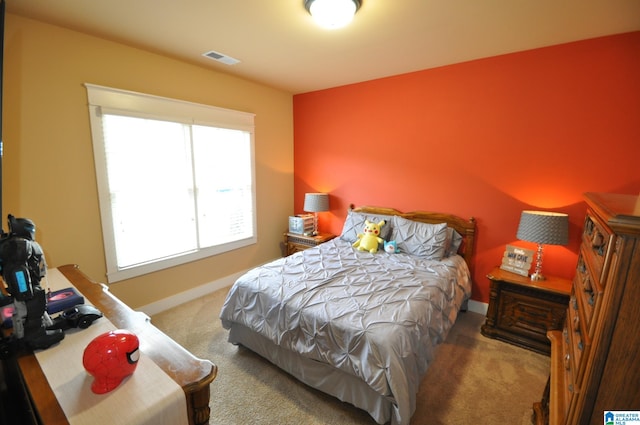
<point>175,180</point>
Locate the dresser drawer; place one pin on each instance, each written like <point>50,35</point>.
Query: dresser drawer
<point>597,242</point>
<point>589,291</point>
<point>293,247</point>
<point>528,314</point>
<point>578,339</point>
<point>569,388</point>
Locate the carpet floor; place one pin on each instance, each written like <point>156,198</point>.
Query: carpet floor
<point>472,380</point>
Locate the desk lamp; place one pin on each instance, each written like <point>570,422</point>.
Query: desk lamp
<point>315,203</point>
<point>543,227</point>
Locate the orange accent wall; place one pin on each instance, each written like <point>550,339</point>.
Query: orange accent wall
<point>487,138</point>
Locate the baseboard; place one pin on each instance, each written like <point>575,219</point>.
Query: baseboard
<point>478,307</point>
<point>186,296</point>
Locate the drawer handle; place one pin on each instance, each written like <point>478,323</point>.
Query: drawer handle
<point>567,361</point>
<point>591,300</point>
<point>597,240</point>
<point>582,268</point>
<point>587,283</point>
<point>580,345</point>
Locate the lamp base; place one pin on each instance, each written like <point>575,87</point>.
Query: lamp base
<point>315,224</point>
<point>536,277</point>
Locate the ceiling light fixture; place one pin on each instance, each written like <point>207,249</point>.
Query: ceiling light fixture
<point>332,14</point>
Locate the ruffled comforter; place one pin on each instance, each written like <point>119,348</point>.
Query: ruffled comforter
<point>375,316</point>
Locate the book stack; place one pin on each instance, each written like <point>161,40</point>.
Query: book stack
<point>301,224</point>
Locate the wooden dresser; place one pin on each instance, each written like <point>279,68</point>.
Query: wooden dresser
<point>594,360</point>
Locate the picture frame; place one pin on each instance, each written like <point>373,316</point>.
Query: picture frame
<point>517,260</point>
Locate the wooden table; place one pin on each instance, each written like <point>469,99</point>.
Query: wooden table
<point>192,374</point>
<point>521,311</point>
<point>294,242</point>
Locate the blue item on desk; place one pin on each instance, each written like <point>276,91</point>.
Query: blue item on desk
<point>63,299</point>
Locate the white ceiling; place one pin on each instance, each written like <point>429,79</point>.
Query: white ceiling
<point>278,43</point>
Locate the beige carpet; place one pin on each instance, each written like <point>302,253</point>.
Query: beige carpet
<point>473,379</point>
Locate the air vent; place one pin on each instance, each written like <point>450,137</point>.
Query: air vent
<point>219,57</point>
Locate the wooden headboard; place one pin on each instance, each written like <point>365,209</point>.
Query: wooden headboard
<point>466,228</point>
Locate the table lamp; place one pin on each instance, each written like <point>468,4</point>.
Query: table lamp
<point>315,203</point>
<point>543,227</point>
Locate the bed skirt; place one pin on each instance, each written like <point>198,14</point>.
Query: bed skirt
<point>320,376</point>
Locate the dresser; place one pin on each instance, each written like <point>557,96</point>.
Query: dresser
<point>594,359</point>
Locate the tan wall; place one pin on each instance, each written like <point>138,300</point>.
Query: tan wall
<point>48,168</point>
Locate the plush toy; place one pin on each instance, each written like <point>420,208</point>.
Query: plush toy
<point>370,239</point>
<point>391,247</point>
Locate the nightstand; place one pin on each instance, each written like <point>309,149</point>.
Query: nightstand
<point>294,242</point>
<point>521,311</point>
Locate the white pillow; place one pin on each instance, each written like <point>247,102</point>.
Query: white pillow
<point>354,224</point>
<point>420,239</point>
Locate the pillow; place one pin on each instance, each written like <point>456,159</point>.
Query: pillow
<point>420,239</point>
<point>354,223</point>
<point>452,245</point>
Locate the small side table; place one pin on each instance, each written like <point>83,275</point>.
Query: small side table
<point>294,242</point>
<point>521,311</point>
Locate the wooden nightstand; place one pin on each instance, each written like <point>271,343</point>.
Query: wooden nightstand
<point>521,311</point>
<point>294,242</point>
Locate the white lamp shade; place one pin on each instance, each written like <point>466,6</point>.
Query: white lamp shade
<point>332,14</point>
<point>316,202</point>
<point>544,227</point>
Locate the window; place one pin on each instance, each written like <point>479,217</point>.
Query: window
<point>175,180</point>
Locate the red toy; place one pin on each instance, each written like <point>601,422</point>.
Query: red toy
<point>111,357</point>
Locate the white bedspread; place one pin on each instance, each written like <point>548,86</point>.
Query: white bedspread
<point>376,316</point>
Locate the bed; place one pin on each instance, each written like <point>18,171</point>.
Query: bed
<point>359,326</point>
